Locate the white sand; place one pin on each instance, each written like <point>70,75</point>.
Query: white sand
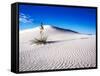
<point>71,50</point>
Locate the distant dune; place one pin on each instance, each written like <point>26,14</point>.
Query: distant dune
<point>69,49</point>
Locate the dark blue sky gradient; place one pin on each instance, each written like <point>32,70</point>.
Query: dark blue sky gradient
<point>82,20</point>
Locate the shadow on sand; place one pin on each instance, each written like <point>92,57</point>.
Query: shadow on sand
<point>57,41</point>
<point>52,42</point>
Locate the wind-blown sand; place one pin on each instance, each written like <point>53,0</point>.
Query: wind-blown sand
<point>69,50</point>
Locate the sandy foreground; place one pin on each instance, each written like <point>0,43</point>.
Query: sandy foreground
<point>70,50</point>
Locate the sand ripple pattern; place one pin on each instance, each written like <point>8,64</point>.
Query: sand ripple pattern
<point>79,53</point>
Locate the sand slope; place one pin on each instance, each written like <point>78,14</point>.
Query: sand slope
<point>72,50</point>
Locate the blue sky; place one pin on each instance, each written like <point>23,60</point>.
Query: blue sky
<point>82,20</point>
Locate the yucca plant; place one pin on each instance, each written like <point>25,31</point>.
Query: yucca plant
<point>42,39</point>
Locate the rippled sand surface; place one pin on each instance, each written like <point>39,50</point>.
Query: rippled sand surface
<point>75,52</point>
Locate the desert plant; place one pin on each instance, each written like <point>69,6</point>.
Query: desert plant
<point>42,39</point>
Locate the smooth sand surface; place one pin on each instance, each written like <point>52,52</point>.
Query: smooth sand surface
<point>69,50</point>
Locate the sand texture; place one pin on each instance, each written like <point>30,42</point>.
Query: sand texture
<point>65,50</point>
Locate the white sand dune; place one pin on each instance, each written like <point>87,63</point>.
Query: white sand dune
<point>71,50</point>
